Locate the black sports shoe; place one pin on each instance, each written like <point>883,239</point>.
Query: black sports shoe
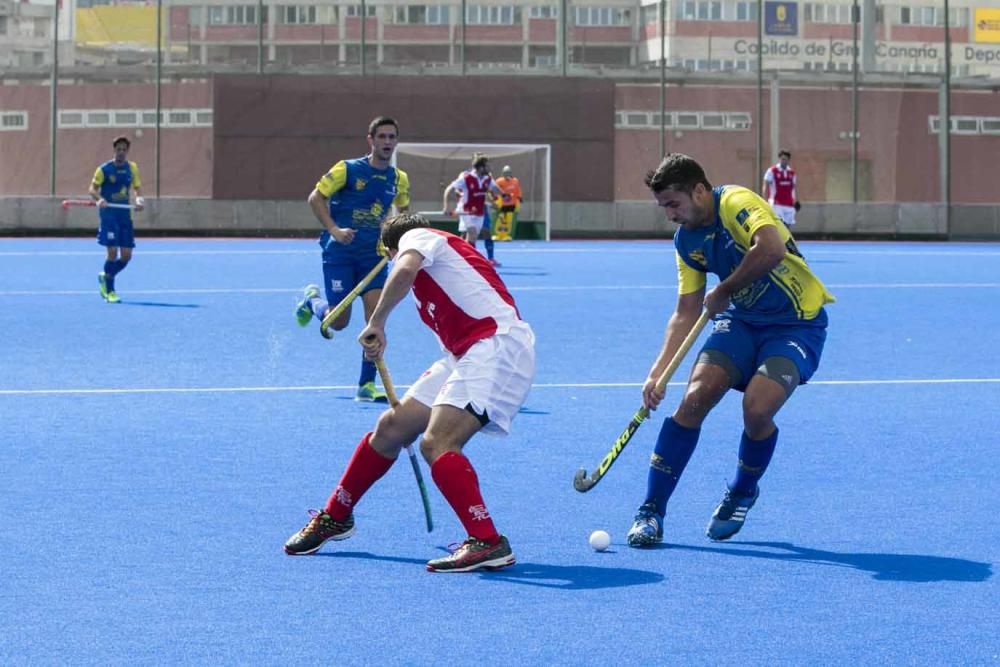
<point>321,527</point>
<point>728,518</point>
<point>647,529</point>
<point>475,554</point>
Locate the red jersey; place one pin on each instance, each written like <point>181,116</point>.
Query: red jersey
<point>459,294</point>
<point>781,185</point>
<point>474,190</point>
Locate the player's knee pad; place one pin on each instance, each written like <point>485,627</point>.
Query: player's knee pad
<point>721,359</point>
<point>783,371</point>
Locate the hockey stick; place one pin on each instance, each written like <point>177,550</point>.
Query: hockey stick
<point>390,392</point>
<point>66,203</point>
<point>345,303</point>
<point>581,482</point>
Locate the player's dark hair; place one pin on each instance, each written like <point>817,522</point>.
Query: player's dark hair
<point>785,153</point>
<point>119,140</point>
<point>677,172</point>
<point>378,122</point>
<point>394,227</point>
<point>479,160</point>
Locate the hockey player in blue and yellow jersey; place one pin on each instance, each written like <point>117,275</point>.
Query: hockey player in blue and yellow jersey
<point>350,201</point>
<point>111,184</point>
<point>768,335</point>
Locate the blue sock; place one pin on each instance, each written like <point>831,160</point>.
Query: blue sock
<point>109,268</point>
<point>367,372</point>
<point>754,457</point>
<point>489,244</point>
<point>319,306</point>
<point>673,450</point>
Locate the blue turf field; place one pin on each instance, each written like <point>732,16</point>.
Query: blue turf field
<point>156,454</point>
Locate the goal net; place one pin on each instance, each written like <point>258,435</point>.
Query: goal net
<point>432,167</point>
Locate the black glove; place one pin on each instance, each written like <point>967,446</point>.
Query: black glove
<point>797,206</point>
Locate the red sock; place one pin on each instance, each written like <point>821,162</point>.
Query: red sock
<point>366,467</point>
<point>459,484</point>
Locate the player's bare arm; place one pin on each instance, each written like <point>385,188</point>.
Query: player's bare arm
<point>683,318</point>
<point>320,208</point>
<point>444,200</point>
<point>96,194</point>
<point>404,271</point>
<point>140,201</point>
<point>764,255</point>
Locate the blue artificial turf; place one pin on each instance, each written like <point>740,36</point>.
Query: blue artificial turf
<point>157,453</point>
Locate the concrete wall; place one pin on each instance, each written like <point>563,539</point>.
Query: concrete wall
<point>628,219</point>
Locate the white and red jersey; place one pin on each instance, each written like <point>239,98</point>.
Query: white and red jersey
<point>473,189</point>
<point>781,185</point>
<point>459,294</point>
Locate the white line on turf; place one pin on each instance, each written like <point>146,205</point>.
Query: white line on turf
<point>551,385</point>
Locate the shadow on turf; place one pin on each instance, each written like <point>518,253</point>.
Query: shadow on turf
<point>566,577</point>
<point>884,567</point>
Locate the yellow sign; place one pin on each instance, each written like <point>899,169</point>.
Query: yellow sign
<point>987,25</point>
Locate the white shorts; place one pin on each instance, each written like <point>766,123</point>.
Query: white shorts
<point>468,222</point>
<point>494,375</point>
<point>786,213</point>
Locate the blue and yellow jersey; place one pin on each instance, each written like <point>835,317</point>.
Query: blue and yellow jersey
<point>114,181</point>
<point>791,292</point>
<point>360,195</point>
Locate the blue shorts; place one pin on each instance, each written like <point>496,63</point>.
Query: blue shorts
<point>748,345</point>
<point>345,265</point>
<point>115,229</point>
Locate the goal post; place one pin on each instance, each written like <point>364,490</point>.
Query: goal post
<point>431,167</point>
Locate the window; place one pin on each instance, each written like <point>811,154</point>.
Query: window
<point>492,14</point>
<point>178,118</point>
<point>713,120</point>
<point>602,16</point>
<point>3,25</point>
<point>13,120</point>
<point>687,120</point>
<point>991,125</point>
<point>297,14</point>
<point>738,120</point>
<point>235,15</point>
<point>684,120</point>
<point>746,11</point>
<point>70,119</point>
<point>700,10</point>
<point>203,117</point>
<point>98,118</point>
<point>965,125</point>
<point>126,118</point>
<point>933,16</point>
<point>823,13</point>
<point>543,12</point>
<point>354,11</point>
<point>421,14</point>
<point>668,119</point>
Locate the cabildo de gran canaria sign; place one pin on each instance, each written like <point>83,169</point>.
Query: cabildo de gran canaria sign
<point>801,49</point>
